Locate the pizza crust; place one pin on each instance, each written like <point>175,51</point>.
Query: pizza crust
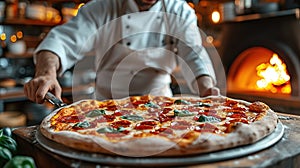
<point>243,135</point>
<point>158,146</point>
<point>134,148</point>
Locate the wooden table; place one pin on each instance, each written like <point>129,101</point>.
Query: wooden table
<point>285,153</point>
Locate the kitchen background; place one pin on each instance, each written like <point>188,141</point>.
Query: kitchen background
<point>258,42</point>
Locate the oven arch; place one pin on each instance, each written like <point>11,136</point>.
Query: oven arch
<point>285,53</point>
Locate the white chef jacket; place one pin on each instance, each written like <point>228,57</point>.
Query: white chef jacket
<point>134,54</point>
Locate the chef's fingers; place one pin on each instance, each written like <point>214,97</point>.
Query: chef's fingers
<point>57,91</point>
<point>213,91</point>
<point>36,88</point>
<point>29,90</point>
<point>49,85</point>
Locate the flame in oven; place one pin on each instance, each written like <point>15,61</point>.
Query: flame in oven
<point>274,76</point>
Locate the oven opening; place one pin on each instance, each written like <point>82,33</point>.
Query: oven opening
<point>259,70</point>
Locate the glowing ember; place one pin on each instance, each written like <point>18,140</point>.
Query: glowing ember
<point>274,76</point>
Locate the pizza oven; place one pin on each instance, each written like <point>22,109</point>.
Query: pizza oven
<point>261,56</point>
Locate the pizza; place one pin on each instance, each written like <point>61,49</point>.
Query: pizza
<point>159,126</point>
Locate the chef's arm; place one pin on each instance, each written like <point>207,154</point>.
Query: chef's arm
<point>45,79</point>
<point>206,86</point>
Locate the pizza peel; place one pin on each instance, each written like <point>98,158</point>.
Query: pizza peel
<point>116,160</point>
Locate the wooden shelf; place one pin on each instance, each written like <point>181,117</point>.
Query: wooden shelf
<point>64,1</point>
<point>292,12</point>
<point>29,22</point>
<point>25,55</point>
<point>17,93</point>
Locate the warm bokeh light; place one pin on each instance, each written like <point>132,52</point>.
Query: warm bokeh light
<point>216,17</point>
<point>49,15</point>
<point>19,34</point>
<point>274,76</point>
<point>57,19</point>
<point>3,36</point>
<point>13,38</point>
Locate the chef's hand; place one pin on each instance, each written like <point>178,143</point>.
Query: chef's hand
<point>206,86</point>
<point>45,79</point>
<point>37,88</point>
<point>210,91</point>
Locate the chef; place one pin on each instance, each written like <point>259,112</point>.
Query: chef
<point>137,43</point>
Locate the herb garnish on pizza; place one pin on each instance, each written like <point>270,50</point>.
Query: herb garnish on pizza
<point>161,126</point>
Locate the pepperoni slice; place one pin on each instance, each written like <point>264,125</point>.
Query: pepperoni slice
<point>228,110</point>
<point>164,118</point>
<point>112,108</point>
<point>105,118</point>
<point>70,119</point>
<point>121,123</point>
<point>206,127</point>
<point>153,111</point>
<point>230,103</point>
<point>166,110</point>
<point>210,112</point>
<point>162,131</point>
<point>136,102</point>
<point>145,125</point>
<point>237,115</point>
<point>180,125</point>
<point>258,107</point>
<point>165,104</point>
<point>193,109</point>
<point>122,112</point>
